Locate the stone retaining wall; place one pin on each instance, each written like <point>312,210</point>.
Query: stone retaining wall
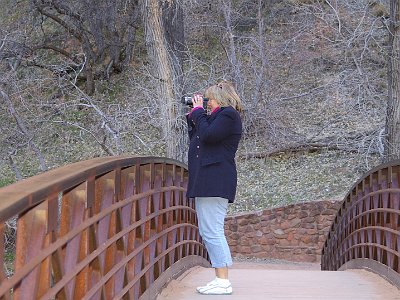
<point>294,233</point>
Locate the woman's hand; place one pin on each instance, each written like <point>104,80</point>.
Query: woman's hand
<point>197,100</point>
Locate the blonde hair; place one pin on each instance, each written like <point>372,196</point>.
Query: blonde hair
<point>225,95</point>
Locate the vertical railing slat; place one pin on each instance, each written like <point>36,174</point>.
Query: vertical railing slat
<point>31,233</point>
<point>2,260</point>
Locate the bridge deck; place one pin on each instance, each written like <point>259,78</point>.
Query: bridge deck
<point>284,281</point>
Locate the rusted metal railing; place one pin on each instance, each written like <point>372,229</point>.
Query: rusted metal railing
<point>106,228</point>
<point>366,230</point>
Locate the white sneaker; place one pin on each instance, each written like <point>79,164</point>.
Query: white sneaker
<point>216,287</point>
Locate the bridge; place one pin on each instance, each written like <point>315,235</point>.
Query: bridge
<point>122,228</point>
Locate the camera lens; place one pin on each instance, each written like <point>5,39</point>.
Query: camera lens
<point>187,100</point>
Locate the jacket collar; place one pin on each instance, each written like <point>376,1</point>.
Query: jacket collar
<point>215,110</point>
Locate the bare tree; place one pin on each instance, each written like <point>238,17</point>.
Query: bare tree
<point>260,72</point>
<point>96,38</point>
<point>392,149</point>
<point>312,74</point>
<point>235,63</point>
<point>164,72</point>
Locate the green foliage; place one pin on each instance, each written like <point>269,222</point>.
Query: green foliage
<point>6,181</point>
<point>9,256</point>
<point>76,115</point>
<point>111,91</point>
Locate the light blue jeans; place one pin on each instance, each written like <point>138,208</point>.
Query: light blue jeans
<point>211,212</point>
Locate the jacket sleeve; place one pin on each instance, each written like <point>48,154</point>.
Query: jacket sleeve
<point>220,128</point>
<point>191,127</point>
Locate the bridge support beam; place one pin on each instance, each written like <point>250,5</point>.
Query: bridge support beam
<point>375,267</point>
<point>176,270</point>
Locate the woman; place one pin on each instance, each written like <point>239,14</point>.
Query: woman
<point>214,139</point>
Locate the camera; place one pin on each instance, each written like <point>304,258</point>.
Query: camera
<point>188,100</point>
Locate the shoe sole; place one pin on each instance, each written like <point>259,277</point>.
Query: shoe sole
<point>211,293</point>
<point>215,294</point>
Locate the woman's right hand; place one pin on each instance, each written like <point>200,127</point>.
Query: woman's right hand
<point>197,100</point>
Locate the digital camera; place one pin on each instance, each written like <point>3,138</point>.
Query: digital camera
<point>188,100</point>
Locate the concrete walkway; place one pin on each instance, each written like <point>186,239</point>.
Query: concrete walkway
<point>284,281</point>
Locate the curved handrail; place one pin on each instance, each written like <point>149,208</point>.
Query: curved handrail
<point>103,228</point>
<point>366,230</point>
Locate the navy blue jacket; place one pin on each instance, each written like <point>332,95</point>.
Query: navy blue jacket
<point>214,140</point>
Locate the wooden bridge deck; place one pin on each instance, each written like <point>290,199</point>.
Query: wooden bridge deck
<point>284,281</point>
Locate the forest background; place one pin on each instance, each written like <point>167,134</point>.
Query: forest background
<point>318,79</point>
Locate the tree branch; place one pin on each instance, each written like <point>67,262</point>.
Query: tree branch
<point>68,27</point>
<point>59,50</point>
<point>24,129</point>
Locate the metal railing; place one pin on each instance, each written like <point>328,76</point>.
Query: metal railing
<point>366,230</point>
<point>106,228</point>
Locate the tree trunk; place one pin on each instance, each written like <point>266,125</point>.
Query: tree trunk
<point>165,74</point>
<point>172,14</point>
<point>236,72</point>
<point>392,149</point>
<point>260,80</point>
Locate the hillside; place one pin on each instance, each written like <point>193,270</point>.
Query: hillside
<point>312,79</point>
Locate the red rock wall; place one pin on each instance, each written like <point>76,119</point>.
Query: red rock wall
<point>294,233</point>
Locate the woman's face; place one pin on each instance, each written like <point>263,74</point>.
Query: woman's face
<point>212,104</point>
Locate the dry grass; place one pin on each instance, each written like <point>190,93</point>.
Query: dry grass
<point>284,180</point>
